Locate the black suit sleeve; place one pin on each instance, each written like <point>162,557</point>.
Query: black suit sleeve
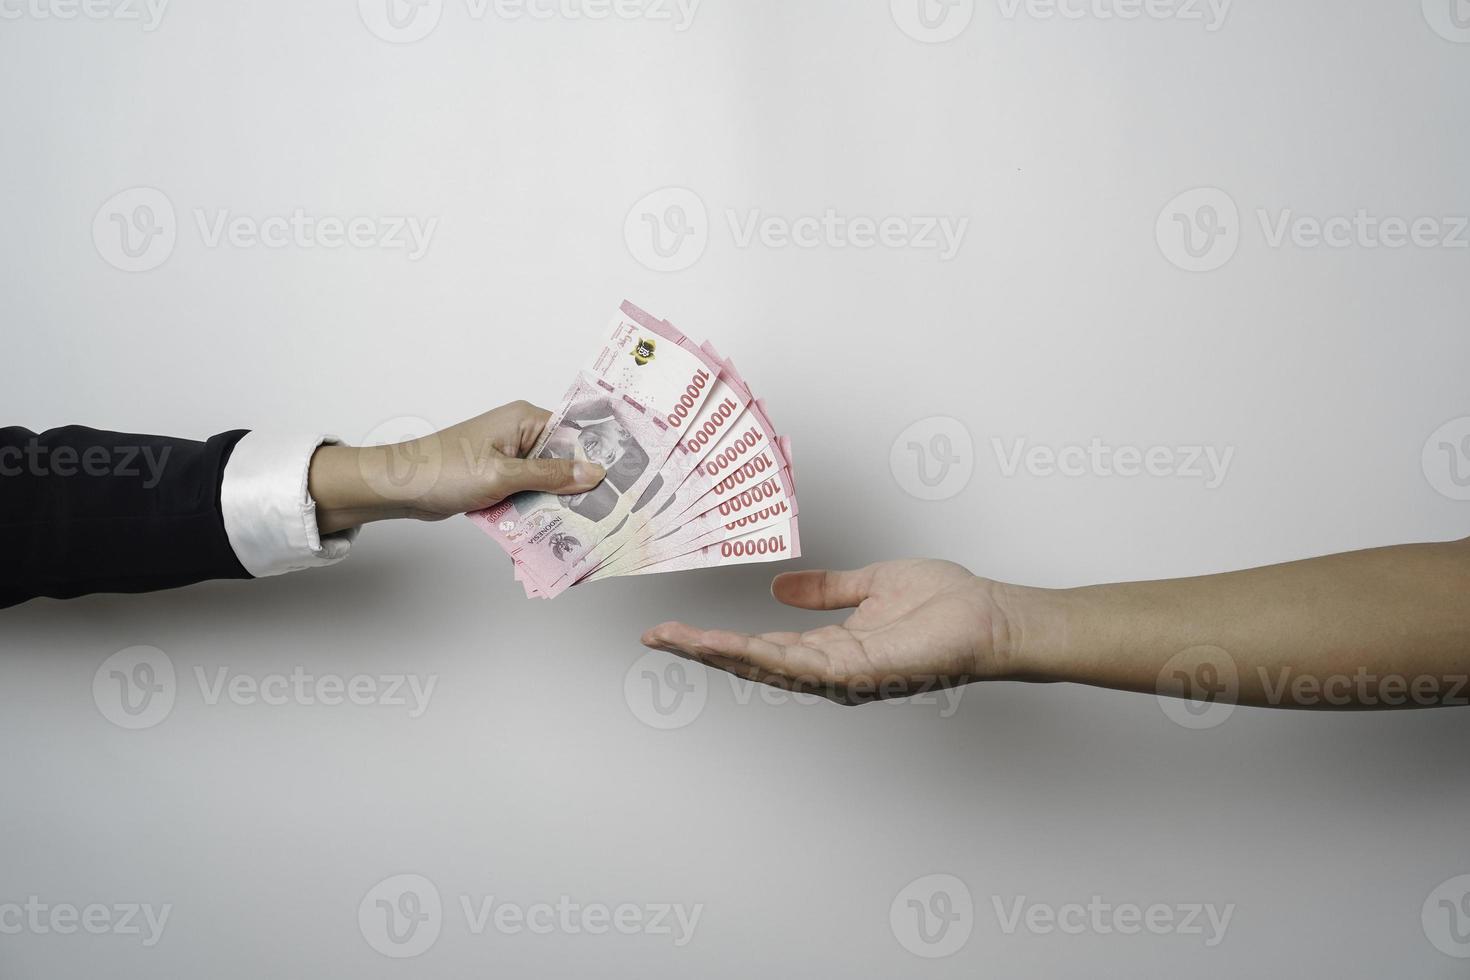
<point>83,510</point>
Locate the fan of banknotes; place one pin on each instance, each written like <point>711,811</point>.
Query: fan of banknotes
<point>696,475</point>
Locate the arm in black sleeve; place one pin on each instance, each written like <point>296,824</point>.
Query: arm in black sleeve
<point>83,510</point>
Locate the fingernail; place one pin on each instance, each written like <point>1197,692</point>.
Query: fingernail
<point>588,474</point>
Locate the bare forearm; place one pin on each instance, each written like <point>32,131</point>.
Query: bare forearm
<point>345,480</point>
<point>1382,628</point>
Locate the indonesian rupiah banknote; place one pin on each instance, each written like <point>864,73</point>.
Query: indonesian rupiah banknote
<point>696,474</point>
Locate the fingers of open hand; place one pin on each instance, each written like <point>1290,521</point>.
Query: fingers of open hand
<point>739,669</point>
<point>773,653</point>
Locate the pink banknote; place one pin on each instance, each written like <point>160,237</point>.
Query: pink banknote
<point>723,406</point>
<point>546,534</point>
<point>696,474</point>
<point>779,542</point>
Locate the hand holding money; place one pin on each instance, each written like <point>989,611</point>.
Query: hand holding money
<point>696,476</point>
<point>465,467</point>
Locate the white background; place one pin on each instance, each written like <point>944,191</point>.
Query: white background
<point>1062,318</point>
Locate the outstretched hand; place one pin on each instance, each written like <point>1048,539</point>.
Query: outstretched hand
<point>918,624</point>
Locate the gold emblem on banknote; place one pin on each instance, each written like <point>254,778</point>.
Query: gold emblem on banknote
<point>643,353</point>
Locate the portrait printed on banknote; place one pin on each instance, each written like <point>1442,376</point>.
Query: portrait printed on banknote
<point>590,432</point>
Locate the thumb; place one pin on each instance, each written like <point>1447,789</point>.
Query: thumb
<point>553,475</point>
<point>823,589</point>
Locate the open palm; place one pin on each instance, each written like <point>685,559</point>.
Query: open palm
<point>918,624</point>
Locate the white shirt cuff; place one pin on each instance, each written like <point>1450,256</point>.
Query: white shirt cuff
<point>269,515</point>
